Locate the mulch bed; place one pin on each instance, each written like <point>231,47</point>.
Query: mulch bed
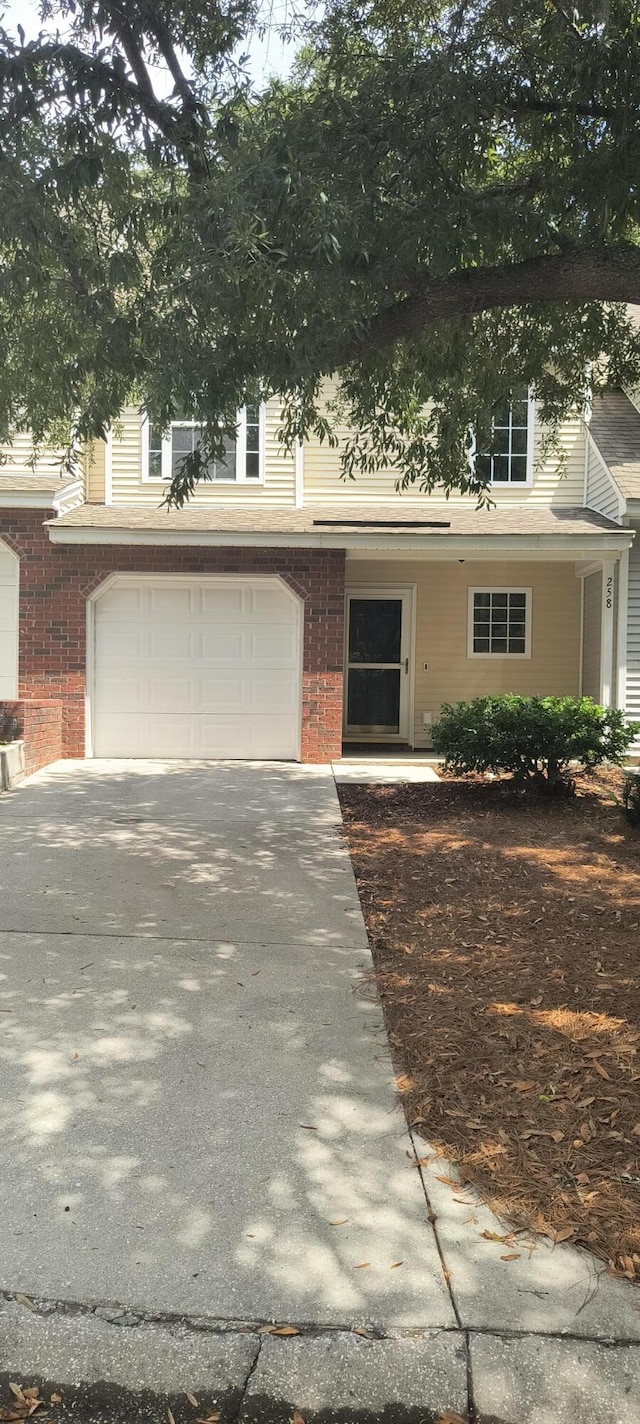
<point>506,943</point>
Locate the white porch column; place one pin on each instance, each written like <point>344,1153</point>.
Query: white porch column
<point>622,629</point>
<point>607,687</point>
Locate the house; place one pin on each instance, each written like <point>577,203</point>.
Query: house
<point>284,611</point>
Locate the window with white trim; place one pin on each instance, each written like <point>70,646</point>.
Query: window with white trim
<point>508,459</point>
<point>499,623</point>
<point>243,458</point>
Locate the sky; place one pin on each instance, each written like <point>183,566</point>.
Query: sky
<point>268,54</point>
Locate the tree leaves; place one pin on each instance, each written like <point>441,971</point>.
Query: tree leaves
<point>429,210</point>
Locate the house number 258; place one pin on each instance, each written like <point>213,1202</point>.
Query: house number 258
<point>609,591</point>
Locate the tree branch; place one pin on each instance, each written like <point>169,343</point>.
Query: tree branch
<point>608,274</point>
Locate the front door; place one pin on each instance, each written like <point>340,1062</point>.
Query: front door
<point>377,664</point>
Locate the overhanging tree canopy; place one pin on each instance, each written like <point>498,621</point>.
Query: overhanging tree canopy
<point>440,204</point>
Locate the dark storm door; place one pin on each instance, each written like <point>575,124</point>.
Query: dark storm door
<point>377,663</point>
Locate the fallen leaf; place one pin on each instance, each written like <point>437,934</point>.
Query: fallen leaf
<point>341,1221</point>
<point>448,1181</point>
<point>359,1330</point>
<point>308,1127</point>
<point>55,1399</point>
<point>296,1418</point>
<point>362,1265</point>
<point>449,1416</point>
<point>523,1085</point>
<point>493,1236</point>
<point>636,1129</point>
<point>285,1330</point>
<point>192,1399</point>
<point>557,1135</point>
<point>564,1233</point>
<point>21,1299</point>
<point>395,1265</point>
<point>170,1418</point>
<point>420,1162</point>
<point>599,1069</point>
<point>210,1419</point>
<point>511,1256</point>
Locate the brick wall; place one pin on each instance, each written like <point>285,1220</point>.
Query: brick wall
<point>56,579</point>
<point>41,730</point>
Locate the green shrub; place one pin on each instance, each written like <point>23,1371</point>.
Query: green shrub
<point>631,796</point>
<point>535,738</point>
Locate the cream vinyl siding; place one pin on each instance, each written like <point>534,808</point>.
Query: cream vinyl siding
<point>17,457</point>
<point>552,485</point>
<point>94,477</point>
<point>602,492</point>
<point>129,487</point>
<point>591,636</point>
<point>633,637</point>
<point>442,600</point>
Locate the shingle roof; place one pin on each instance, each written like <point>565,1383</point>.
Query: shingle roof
<point>338,524</point>
<point>615,427</point>
<point>23,482</point>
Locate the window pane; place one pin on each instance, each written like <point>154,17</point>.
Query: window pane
<point>519,442</point>
<point>500,442</point>
<point>517,645</point>
<point>518,469</point>
<point>253,465</point>
<point>499,600</point>
<point>501,469</point>
<point>517,600</point>
<point>182,439</point>
<point>482,600</point>
<point>480,645</point>
<point>498,645</point>
<point>483,467</point>
<point>226,469</point>
<point>374,630</point>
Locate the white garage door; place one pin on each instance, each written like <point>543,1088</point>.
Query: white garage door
<point>200,667</point>
<point>8,624</point>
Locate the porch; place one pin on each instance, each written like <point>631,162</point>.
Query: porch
<point>424,630</point>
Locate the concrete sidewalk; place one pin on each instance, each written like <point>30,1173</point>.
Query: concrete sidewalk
<point>200,1133</point>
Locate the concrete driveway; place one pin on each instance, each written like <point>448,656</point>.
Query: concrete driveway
<point>199,1126</point>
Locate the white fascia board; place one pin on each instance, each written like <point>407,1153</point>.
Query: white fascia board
<point>48,499</point>
<point>584,546</point>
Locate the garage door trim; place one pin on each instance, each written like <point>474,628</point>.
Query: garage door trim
<point>178,578</point>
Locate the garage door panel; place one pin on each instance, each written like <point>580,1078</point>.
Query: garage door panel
<point>250,694</point>
<point>125,600</point>
<point>223,601</point>
<point>206,668</point>
<point>171,645</point>
<point>117,642</point>
<point>170,602</point>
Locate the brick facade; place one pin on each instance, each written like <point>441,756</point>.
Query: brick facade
<point>40,725</point>
<point>56,579</point>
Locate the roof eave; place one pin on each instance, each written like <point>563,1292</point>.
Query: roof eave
<point>574,545</point>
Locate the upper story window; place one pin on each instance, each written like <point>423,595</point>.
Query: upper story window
<point>243,458</point>
<point>509,458</point>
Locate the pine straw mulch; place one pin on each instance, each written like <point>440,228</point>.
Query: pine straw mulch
<point>506,943</point>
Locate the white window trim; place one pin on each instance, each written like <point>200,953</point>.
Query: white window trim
<point>241,454</point>
<point>517,484</point>
<point>500,657</point>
